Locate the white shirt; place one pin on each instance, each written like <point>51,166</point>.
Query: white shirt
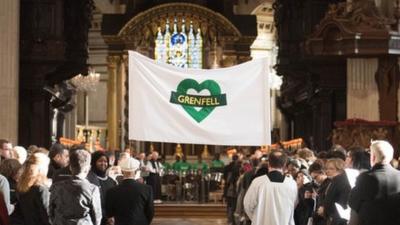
<point>158,169</point>
<point>271,203</point>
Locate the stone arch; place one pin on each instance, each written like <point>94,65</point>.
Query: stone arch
<point>225,43</point>
<point>213,26</point>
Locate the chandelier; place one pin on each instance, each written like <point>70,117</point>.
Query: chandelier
<point>86,83</point>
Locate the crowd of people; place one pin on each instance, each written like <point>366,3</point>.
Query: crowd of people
<point>356,186</point>
<point>62,186</point>
<point>73,186</point>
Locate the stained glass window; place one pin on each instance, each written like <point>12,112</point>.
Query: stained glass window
<point>180,47</point>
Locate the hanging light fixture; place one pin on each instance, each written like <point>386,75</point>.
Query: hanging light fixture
<point>86,83</point>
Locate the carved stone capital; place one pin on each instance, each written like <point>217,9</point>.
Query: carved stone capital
<point>113,60</point>
<point>125,59</point>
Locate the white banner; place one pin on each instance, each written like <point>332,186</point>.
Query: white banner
<point>227,106</point>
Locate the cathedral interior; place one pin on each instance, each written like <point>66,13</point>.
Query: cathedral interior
<point>334,74</point>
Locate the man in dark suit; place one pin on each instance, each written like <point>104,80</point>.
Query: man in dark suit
<point>130,203</point>
<point>376,195</point>
<point>75,200</point>
<point>59,158</point>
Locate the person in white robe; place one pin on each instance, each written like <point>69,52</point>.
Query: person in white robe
<point>271,198</point>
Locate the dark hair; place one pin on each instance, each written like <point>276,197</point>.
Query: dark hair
<point>277,159</point>
<point>77,147</point>
<point>79,160</point>
<point>235,157</point>
<point>254,162</point>
<point>295,162</point>
<point>96,156</point>
<point>322,155</point>
<point>305,173</point>
<point>316,167</point>
<point>360,158</point>
<point>56,149</point>
<point>9,168</point>
<point>337,154</point>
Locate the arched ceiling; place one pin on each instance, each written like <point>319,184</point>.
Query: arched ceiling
<point>210,23</point>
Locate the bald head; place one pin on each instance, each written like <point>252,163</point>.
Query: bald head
<point>154,155</point>
<point>381,152</point>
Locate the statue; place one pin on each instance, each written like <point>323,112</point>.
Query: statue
<point>387,80</point>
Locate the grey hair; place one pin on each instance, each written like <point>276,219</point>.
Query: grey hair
<point>382,150</point>
<point>79,161</point>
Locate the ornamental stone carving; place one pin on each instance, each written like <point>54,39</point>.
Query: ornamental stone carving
<point>142,28</point>
<point>352,29</point>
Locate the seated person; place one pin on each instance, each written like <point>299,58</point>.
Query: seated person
<point>216,164</point>
<point>200,165</point>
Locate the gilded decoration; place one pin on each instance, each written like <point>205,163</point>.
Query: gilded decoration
<point>113,61</point>
<point>357,132</point>
<point>146,24</point>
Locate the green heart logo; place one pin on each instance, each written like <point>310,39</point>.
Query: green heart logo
<point>189,102</point>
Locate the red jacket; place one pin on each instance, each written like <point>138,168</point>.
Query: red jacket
<point>3,211</point>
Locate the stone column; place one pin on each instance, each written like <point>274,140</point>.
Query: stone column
<point>214,55</point>
<point>362,91</point>
<point>9,49</point>
<point>264,46</point>
<point>112,112</point>
<point>121,93</point>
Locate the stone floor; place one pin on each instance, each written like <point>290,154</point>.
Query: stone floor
<point>188,221</point>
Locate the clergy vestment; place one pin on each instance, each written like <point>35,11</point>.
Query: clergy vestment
<point>269,202</point>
